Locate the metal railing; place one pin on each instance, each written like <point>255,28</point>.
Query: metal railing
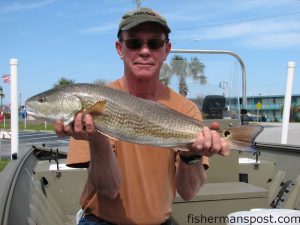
<point>239,59</point>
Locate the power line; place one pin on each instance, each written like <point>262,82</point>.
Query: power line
<point>239,21</point>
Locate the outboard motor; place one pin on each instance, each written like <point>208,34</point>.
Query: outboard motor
<point>214,106</point>
<point>244,117</point>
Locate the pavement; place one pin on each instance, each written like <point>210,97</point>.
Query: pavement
<point>272,133</point>
<point>29,138</point>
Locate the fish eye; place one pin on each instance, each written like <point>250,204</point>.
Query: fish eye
<point>42,99</point>
<point>226,133</point>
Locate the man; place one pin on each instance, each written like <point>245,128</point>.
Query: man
<point>136,184</point>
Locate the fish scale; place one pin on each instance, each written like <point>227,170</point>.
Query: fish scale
<point>142,126</point>
<point>130,125</point>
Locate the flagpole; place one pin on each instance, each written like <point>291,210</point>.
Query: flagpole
<point>14,108</point>
<point>287,102</point>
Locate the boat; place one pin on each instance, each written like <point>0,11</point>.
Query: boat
<point>38,188</point>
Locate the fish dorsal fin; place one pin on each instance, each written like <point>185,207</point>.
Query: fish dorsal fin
<point>97,108</point>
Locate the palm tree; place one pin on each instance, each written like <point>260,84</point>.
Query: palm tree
<point>196,70</point>
<point>64,81</point>
<point>165,74</point>
<point>184,69</point>
<point>179,66</point>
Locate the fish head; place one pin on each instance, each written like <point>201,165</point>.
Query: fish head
<point>54,104</point>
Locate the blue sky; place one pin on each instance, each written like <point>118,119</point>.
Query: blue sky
<point>75,39</point>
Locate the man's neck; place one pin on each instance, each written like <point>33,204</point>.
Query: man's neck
<point>147,89</point>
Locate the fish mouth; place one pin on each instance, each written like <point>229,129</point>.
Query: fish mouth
<point>34,114</point>
<point>40,116</point>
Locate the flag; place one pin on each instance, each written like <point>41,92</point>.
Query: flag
<point>6,78</point>
<point>2,114</point>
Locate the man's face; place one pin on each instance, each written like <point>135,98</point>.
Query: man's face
<point>143,63</point>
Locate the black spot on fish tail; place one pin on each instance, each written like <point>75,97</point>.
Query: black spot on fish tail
<point>242,137</point>
<point>226,133</point>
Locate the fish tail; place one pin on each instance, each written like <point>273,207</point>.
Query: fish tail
<point>242,137</point>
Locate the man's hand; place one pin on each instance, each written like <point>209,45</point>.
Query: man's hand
<point>209,143</point>
<point>80,130</point>
<point>104,171</point>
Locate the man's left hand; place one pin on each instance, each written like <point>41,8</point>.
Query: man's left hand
<point>209,142</point>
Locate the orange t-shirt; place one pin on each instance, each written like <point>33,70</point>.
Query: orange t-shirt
<point>147,188</point>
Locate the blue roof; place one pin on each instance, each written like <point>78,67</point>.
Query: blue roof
<point>272,96</point>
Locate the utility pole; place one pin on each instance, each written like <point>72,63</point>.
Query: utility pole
<point>138,3</point>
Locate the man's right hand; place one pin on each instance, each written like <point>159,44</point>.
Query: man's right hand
<point>80,130</point>
<point>104,170</point>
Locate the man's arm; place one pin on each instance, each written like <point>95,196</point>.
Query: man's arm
<point>103,168</point>
<point>189,178</point>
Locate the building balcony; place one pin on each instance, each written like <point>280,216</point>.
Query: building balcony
<point>265,107</point>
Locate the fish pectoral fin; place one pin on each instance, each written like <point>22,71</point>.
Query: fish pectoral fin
<point>97,108</point>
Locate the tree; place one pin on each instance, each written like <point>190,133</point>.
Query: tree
<point>196,70</point>
<point>179,66</point>
<point>183,69</point>
<point>63,81</point>
<point>297,113</point>
<point>165,74</point>
<point>100,82</point>
<point>199,101</point>
<point>294,112</point>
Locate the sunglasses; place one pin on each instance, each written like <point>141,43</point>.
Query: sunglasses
<point>136,44</point>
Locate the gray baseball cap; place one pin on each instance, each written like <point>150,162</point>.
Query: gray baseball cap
<point>142,15</point>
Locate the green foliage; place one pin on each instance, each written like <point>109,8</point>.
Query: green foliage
<point>30,125</point>
<point>3,163</point>
<point>63,81</point>
<point>100,82</point>
<point>183,69</point>
<point>196,70</point>
<point>165,74</point>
